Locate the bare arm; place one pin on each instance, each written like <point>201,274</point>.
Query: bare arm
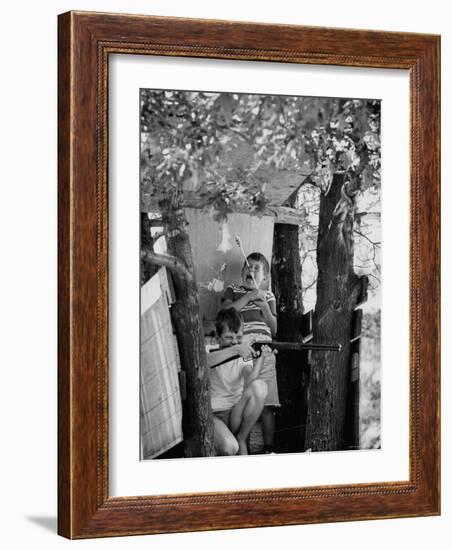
<point>258,297</point>
<point>230,302</point>
<point>270,317</point>
<point>251,296</point>
<point>238,304</point>
<point>216,357</point>
<point>268,309</point>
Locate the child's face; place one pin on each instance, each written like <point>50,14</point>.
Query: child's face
<point>229,338</point>
<point>257,269</point>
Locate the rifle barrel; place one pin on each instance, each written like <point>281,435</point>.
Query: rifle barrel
<point>295,346</point>
<point>285,346</point>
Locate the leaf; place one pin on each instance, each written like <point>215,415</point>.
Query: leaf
<point>224,106</point>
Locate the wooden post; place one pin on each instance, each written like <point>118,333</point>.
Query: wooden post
<point>286,281</point>
<point>352,422</point>
<point>306,328</point>
<point>351,435</point>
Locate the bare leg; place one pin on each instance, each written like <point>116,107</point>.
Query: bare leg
<point>246,412</point>
<point>225,442</point>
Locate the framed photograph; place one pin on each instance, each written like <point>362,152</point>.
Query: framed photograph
<point>248,275</point>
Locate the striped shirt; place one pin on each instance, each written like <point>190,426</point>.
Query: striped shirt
<point>253,317</point>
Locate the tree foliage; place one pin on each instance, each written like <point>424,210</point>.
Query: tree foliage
<point>223,148</point>
<point>219,145</point>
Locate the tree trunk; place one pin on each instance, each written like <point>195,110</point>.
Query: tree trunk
<point>147,269</point>
<point>291,366</point>
<point>197,412</point>
<point>337,293</point>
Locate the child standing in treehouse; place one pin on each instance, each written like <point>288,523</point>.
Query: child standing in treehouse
<point>258,309</point>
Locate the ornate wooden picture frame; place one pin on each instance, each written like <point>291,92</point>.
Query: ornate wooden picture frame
<point>86,40</point>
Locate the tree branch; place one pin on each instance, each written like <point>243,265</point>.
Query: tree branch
<point>310,285</point>
<point>308,181</point>
<point>171,262</point>
<point>156,222</point>
<point>376,278</point>
<point>374,244</point>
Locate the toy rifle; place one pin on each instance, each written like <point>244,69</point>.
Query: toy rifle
<point>294,346</point>
<point>284,346</point>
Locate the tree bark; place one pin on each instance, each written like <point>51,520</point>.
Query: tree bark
<point>147,269</point>
<point>337,293</point>
<point>197,412</point>
<point>291,366</point>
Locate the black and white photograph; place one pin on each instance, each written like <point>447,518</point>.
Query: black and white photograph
<point>225,226</point>
<point>260,274</point>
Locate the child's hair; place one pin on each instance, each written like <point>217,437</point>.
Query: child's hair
<point>228,319</point>
<point>258,257</point>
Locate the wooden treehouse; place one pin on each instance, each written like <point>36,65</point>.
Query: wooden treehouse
<point>217,263</point>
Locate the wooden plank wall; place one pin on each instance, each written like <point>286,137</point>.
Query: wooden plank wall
<point>160,400</point>
<point>217,258</point>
